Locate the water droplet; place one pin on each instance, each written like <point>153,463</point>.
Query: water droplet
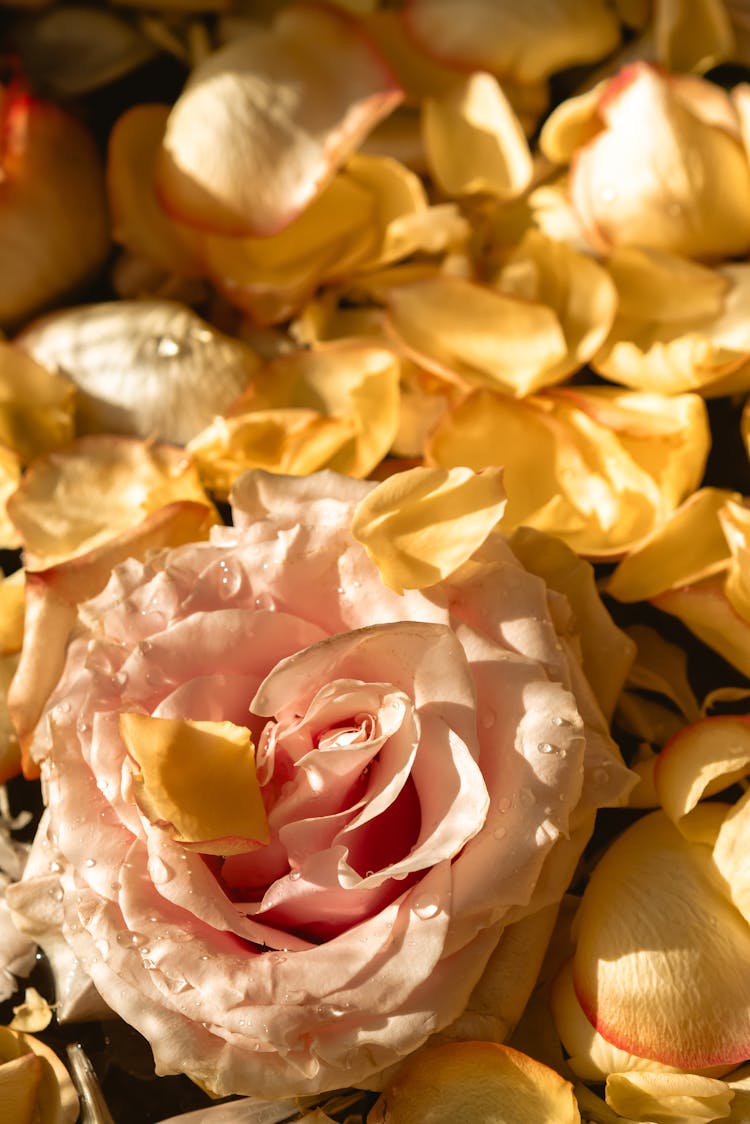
<point>149,965</point>
<point>82,726</point>
<point>600,776</point>
<point>55,867</point>
<point>56,893</point>
<point>159,871</point>
<point>64,707</point>
<point>131,940</point>
<point>115,886</point>
<point>89,863</point>
<point>426,906</point>
<point>295,875</point>
<point>276,958</point>
<point>547,747</point>
<point>558,721</point>
<point>119,679</point>
<point>500,832</point>
<point>265,601</point>
<point>167,347</point>
<point>175,986</point>
<point>230,581</point>
<point>503,804</point>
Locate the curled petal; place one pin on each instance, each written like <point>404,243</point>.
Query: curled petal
<point>146,368</point>
<point>475,1081</point>
<point>653,175</point>
<point>505,39</point>
<point>475,142</point>
<point>355,380</point>
<point>668,1098</point>
<point>294,441</point>
<point>475,334</point>
<point>689,546</point>
<point>667,923</point>
<point>706,610</point>
<point>421,525</point>
<point>260,128</point>
<point>699,760</point>
<point>730,854</point>
<point>597,468</point>
<point>36,407</point>
<point>109,485</point>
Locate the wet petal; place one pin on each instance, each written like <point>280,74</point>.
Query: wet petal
<point>421,525</point>
<point>475,142</point>
<point>667,923</point>
<point>259,128</point>
<point>505,38</point>
<point>199,779</point>
<point>147,368</point>
<point>475,1083</point>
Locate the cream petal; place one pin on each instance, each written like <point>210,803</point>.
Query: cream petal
<point>700,760</point>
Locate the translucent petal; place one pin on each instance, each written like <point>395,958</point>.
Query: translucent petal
<point>701,759</point>
<point>705,609</point>
<point>260,128</point>
<point>731,851</point>
<point>655,967</point>
<point>693,36</point>
<point>147,368</point>
<point>421,525</point>
<point>668,1098</point>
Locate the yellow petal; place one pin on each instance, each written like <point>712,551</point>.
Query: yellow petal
<point>12,593</point>
<point>701,759</point>
<point>505,38</point>
<point>653,285</point>
<point>652,177</point>
<point>10,475</point>
<point>36,407</point>
<point>658,947</point>
<point>597,468</point>
<point>707,611</point>
<point>293,441</point>
<point>693,34</point>
<point>198,778</point>
<point>473,333</point>
<point>138,219</point>
<point>735,522</point>
<point>19,1088</point>
<point>690,545</point>
<point>356,380</point>
<point>475,142</point>
<point>573,285</point>
<point>475,1083</point>
<point>421,525</point>
<point>33,1015</point>
<point>731,851</point>
<point>571,124</point>
<point>76,499</point>
<point>260,128</point>
<point>668,1098</point>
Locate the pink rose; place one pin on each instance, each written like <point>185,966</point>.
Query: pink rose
<point>429,764</point>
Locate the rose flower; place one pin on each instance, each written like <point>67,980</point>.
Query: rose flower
<point>295,816</point>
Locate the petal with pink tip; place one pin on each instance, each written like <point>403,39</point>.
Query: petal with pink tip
<point>260,128</point>
<point>699,760</point>
<point>657,965</point>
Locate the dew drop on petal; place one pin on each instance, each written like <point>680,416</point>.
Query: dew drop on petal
<point>426,906</point>
<point>546,747</point>
<point>159,871</point>
<point>500,832</point>
<point>90,863</point>
<point>503,804</point>
<point>295,875</point>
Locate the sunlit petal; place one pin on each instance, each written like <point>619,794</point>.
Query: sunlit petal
<point>420,526</point>
<point>668,1098</point>
<point>699,760</point>
<point>653,917</point>
<point>260,128</point>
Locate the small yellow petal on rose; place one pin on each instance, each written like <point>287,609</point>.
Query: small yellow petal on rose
<point>699,760</point>
<point>474,140</point>
<point>33,1015</point>
<point>199,778</point>
<point>668,1098</point>
<point>419,526</point>
<point>475,1083</point>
